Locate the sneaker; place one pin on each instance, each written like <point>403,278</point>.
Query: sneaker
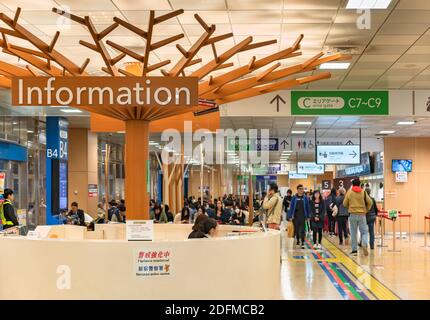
<point>353,253</point>
<point>359,244</point>
<point>372,248</point>
<point>303,246</point>
<point>319,246</point>
<point>365,251</point>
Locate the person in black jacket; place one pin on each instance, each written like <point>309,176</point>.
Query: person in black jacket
<point>113,212</point>
<point>318,211</point>
<point>342,217</point>
<point>287,200</point>
<point>329,202</point>
<point>371,218</point>
<point>198,228</point>
<point>207,228</point>
<point>77,215</point>
<point>238,217</point>
<point>223,215</point>
<point>8,210</point>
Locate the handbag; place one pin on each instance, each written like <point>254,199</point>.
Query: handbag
<point>335,210</point>
<point>290,229</point>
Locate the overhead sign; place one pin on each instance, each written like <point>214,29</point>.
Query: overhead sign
<point>326,184</point>
<point>348,154</point>
<point>339,103</point>
<point>310,168</point>
<point>105,91</point>
<point>295,175</point>
<point>278,99</point>
<point>271,144</point>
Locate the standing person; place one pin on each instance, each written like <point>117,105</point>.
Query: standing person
<point>358,203</point>
<point>342,217</point>
<point>287,200</point>
<point>318,211</point>
<point>77,214</point>
<point>7,212</point>
<point>299,212</point>
<point>273,204</point>
<point>330,201</point>
<point>370,219</point>
<point>121,208</point>
<point>113,212</point>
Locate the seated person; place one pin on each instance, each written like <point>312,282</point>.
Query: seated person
<point>76,216</point>
<point>168,213</point>
<point>210,211</point>
<point>238,217</point>
<point>222,215</point>
<point>100,213</point>
<point>200,211</point>
<point>184,216</point>
<point>206,229</point>
<point>158,215</point>
<point>197,227</point>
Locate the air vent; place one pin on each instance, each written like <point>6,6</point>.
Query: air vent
<point>342,49</point>
<point>381,134</point>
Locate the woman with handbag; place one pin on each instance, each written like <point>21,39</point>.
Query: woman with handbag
<point>318,211</point>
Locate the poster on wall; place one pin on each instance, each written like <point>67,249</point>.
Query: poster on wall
<point>401,177</point>
<point>92,190</point>
<point>2,181</point>
<point>153,262</point>
<point>139,230</point>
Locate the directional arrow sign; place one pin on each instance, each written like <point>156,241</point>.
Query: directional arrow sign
<point>277,98</point>
<point>335,154</point>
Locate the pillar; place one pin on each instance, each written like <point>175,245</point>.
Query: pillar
<point>136,166</point>
<point>83,169</point>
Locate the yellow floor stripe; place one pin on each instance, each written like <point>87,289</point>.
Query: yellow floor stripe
<point>370,282</point>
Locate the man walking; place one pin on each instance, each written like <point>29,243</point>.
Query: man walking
<point>299,212</point>
<point>358,203</point>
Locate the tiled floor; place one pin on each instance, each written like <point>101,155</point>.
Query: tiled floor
<point>331,273</point>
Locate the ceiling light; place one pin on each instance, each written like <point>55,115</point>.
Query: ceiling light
<point>287,151</point>
<point>71,110</point>
<point>298,132</point>
<point>30,131</point>
<point>120,132</point>
<point>405,123</point>
<point>303,123</point>
<point>14,123</point>
<point>368,4</point>
<point>335,65</point>
<point>386,131</point>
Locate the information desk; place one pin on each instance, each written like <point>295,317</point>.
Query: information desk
<point>239,267</point>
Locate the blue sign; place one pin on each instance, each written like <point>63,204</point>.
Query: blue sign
<point>12,151</point>
<point>270,144</point>
<point>295,175</point>
<point>56,151</point>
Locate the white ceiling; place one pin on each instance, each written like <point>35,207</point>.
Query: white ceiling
<point>393,53</point>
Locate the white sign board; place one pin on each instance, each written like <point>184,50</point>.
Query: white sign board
<point>140,230</point>
<point>42,231</point>
<point>295,175</point>
<point>310,168</point>
<point>346,154</point>
<point>401,177</point>
<point>152,262</point>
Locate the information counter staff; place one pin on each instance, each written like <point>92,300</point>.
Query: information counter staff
<point>7,212</point>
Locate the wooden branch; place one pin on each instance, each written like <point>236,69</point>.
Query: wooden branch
<point>312,60</point>
<point>5,82</point>
<point>118,58</point>
<point>182,50</point>
<point>54,41</point>
<point>158,65</point>
<point>219,38</point>
<point>13,70</point>
<point>168,16</point>
<point>193,62</point>
<point>34,73</point>
<point>164,42</point>
<point>11,33</point>
<point>126,51</point>
<point>17,13</point>
<point>265,73</point>
<point>106,31</point>
<point>202,22</point>
<point>148,41</point>
<point>126,73</point>
<point>224,65</point>
<point>131,27</point>
<point>69,15</point>
<point>214,52</point>
<point>212,65</point>
<point>251,63</point>
<point>296,44</point>
<point>258,45</point>
<point>88,45</point>
<point>30,51</point>
<point>84,65</point>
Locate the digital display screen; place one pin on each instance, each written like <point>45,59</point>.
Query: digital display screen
<point>401,165</point>
<point>63,185</point>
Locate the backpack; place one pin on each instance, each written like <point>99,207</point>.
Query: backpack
<point>371,215</point>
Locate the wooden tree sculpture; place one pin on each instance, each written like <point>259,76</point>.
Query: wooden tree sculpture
<point>44,60</point>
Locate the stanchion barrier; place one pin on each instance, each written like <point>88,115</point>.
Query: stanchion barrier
<point>381,217</point>
<point>425,229</point>
<point>393,220</point>
<point>409,216</point>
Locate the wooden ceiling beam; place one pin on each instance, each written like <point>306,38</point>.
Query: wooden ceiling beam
<point>5,82</point>
<point>14,70</point>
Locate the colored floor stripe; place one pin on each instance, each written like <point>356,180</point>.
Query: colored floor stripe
<point>379,290</point>
<point>333,274</point>
<point>351,282</point>
<point>333,281</point>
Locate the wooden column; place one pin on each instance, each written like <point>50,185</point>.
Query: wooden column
<point>136,156</point>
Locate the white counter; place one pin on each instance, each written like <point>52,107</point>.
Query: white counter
<point>242,267</point>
